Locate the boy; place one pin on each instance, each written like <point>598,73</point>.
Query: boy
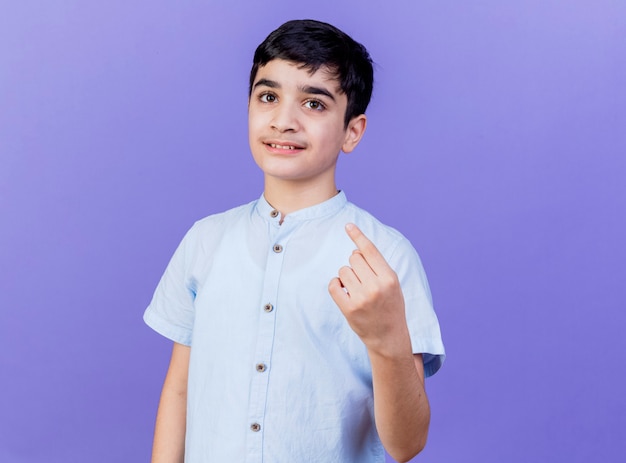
<point>302,326</point>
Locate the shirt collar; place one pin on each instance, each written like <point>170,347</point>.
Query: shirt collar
<point>328,207</point>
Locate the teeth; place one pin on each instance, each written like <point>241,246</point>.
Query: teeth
<point>283,147</point>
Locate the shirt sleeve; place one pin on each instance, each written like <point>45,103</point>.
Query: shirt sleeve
<point>421,318</point>
<point>171,312</point>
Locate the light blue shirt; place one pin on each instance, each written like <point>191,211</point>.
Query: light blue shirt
<point>276,374</point>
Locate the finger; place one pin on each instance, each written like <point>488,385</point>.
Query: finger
<point>361,267</point>
<point>348,278</point>
<point>338,293</point>
<point>369,251</point>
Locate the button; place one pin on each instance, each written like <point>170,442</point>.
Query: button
<point>255,427</point>
<point>260,367</point>
<point>274,213</point>
<point>268,307</point>
<point>277,248</point>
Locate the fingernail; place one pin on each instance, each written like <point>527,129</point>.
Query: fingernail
<point>349,226</point>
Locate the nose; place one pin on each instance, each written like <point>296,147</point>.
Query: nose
<point>285,118</point>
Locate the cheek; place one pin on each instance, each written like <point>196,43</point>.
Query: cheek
<point>332,138</point>
<point>254,126</point>
<point>255,116</point>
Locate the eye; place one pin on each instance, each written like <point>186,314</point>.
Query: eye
<point>315,105</point>
<point>267,97</point>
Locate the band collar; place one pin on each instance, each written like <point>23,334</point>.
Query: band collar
<point>328,207</point>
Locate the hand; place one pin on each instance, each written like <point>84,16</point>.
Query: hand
<point>369,295</point>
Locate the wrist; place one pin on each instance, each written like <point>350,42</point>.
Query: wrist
<point>396,346</point>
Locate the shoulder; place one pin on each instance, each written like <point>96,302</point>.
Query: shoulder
<point>218,222</point>
<point>207,233</point>
<point>226,217</point>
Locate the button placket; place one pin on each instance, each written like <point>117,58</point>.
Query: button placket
<point>265,335</point>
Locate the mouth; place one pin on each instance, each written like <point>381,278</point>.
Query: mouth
<point>283,147</point>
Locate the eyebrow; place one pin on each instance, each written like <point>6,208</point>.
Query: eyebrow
<point>306,89</point>
<point>317,91</point>
<point>267,83</point>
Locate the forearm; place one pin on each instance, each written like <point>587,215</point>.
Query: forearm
<point>369,294</point>
<point>401,406</point>
<point>169,432</point>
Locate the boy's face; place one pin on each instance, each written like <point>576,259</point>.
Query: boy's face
<point>296,123</point>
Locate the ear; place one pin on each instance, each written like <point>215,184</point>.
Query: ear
<point>354,133</point>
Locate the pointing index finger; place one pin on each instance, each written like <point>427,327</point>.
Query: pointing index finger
<point>369,251</point>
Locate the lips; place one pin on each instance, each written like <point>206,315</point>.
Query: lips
<point>283,146</point>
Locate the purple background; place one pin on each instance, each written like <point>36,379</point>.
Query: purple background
<point>497,144</point>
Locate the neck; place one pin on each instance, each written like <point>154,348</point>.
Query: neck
<point>289,196</point>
